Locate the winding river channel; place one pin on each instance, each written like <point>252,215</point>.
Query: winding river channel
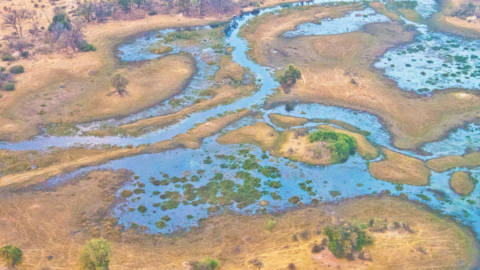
<point>185,169</point>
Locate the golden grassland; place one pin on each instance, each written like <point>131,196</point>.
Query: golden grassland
<point>71,159</point>
<point>230,77</point>
<point>462,183</point>
<point>87,78</point>
<point>259,134</point>
<point>285,121</point>
<point>334,73</point>
<point>58,222</point>
<point>229,70</point>
<point>444,164</point>
<point>294,144</point>
<point>400,169</point>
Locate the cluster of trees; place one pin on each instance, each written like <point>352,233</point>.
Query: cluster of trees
<point>62,32</point>
<point>344,240</point>
<point>289,77</point>
<point>95,255</point>
<point>341,145</point>
<point>100,9</point>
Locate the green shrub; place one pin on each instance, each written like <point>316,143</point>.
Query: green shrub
<point>152,13</point>
<point>290,76</point>
<point>12,255</point>
<point>24,54</point>
<point>7,57</point>
<point>17,69</point>
<point>3,69</point>
<point>95,255</point>
<point>207,264</point>
<point>10,87</point>
<point>341,145</point>
<point>87,48</point>
<point>270,224</point>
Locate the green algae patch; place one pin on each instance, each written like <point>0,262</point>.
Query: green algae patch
<point>400,169</point>
<point>462,183</point>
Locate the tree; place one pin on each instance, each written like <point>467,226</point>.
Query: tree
<point>60,20</point>
<point>185,6</point>
<point>290,76</point>
<point>120,83</point>
<point>96,255</point>
<point>138,2</point>
<point>85,9</point>
<point>101,9</point>
<point>34,18</point>
<point>17,19</point>
<point>125,4</point>
<point>12,254</point>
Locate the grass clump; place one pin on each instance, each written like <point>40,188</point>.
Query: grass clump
<point>345,239</point>
<point>206,264</point>
<point>270,224</point>
<point>10,87</point>
<point>341,145</point>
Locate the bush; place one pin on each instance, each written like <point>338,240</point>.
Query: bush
<point>96,255</point>
<point>207,264</point>
<point>152,13</point>
<point>7,57</point>
<point>2,69</point>
<point>24,54</point>
<point>10,87</point>
<point>270,224</point>
<point>17,69</point>
<point>87,47</point>
<point>12,255</point>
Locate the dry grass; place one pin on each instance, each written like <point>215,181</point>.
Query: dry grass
<point>285,121</point>
<point>86,75</point>
<point>449,162</point>
<point>57,223</point>
<point>329,63</point>
<point>84,158</point>
<point>259,134</point>
<point>229,70</point>
<point>47,223</point>
<point>400,169</point>
<point>462,183</point>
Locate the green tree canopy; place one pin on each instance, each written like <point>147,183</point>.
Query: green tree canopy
<point>96,255</point>
<point>290,76</point>
<point>12,254</point>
